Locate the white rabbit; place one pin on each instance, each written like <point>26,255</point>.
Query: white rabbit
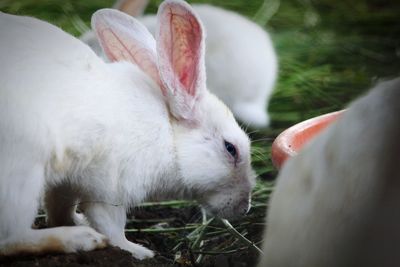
<point>338,202</point>
<point>110,135</point>
<point>240,59</point>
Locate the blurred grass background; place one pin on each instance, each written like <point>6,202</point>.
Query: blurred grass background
<point>329,53</point>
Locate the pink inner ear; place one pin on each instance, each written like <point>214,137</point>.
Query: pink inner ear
<point>114,46</point>
<point>117,50</point>
<point>125,39</point>
<point>183,45</point>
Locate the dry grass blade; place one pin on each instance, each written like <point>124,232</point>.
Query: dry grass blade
<point>239,236</point>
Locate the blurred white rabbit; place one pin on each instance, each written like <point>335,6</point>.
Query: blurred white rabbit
<point>338,202</point>
<point>240,59</point>
<point>106,135</point>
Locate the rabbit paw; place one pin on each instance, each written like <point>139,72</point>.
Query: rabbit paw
<point>137,251</point>
<point>84,238</point>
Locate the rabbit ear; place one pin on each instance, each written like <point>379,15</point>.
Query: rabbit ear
<point>134,8</point>
<point>180,47</point>
<point>123,38</point>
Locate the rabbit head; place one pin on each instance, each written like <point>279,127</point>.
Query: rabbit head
<point>214,160</point>
<point>211,150</point>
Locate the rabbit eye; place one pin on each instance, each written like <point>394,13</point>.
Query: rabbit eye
<point>231,149</point>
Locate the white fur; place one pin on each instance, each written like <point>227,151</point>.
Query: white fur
<point>240,60</point>
<point>78,130</point>
<point>337,203</point>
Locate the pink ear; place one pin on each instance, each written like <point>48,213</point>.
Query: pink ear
<point>123,38</point>
<point>180,47</point>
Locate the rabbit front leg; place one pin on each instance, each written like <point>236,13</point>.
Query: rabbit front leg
<point>110,220</point>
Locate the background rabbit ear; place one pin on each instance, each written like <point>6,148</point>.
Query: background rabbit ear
<point>180,47</point>
<point>134,8</point>
<point>123,38</point>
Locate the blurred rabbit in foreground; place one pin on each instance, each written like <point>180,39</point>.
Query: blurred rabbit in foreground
<point>241,61</point>
<point>338,202</point>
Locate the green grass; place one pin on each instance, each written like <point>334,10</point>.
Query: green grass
<point>329,52</point>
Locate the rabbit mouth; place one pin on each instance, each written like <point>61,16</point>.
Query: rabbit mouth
<point>227,212</point>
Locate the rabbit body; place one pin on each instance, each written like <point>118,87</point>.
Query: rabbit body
<point>240,60</point>
<point>69,118</point>
<point>74,129</point>
<point>337,202</point>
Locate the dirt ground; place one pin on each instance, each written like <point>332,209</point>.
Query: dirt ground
<point>161,243</point>
<point>116,257</point>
